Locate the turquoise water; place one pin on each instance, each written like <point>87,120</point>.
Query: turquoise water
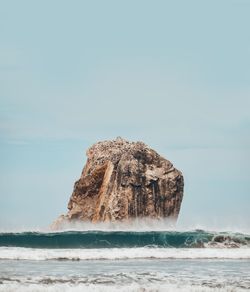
<point>119,239</point>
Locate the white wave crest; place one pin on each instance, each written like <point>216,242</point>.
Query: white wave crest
<point>19,253</point>
<point>138,224</point>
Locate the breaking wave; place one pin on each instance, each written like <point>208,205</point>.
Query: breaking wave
<point>124,239</point>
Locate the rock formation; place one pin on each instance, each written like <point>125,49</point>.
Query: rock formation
<point>123,180</point>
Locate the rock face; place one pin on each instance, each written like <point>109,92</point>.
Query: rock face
<point>123,180</point>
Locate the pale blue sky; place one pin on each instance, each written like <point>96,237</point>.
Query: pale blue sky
<point>175,74</point>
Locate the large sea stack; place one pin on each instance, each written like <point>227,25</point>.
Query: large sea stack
<point>124,180</point>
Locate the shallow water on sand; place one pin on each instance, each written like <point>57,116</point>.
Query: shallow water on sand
<point>125,275</point>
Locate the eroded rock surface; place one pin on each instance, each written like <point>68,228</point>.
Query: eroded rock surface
<point>123,180</point>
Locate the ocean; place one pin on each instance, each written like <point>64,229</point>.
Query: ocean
<point>105,260</point>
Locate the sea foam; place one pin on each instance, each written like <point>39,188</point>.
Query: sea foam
<point>19,253</point>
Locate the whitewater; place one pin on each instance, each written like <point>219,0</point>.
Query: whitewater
<point>125,260</point>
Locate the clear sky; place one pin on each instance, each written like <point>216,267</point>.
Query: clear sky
<point>174,74</point>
